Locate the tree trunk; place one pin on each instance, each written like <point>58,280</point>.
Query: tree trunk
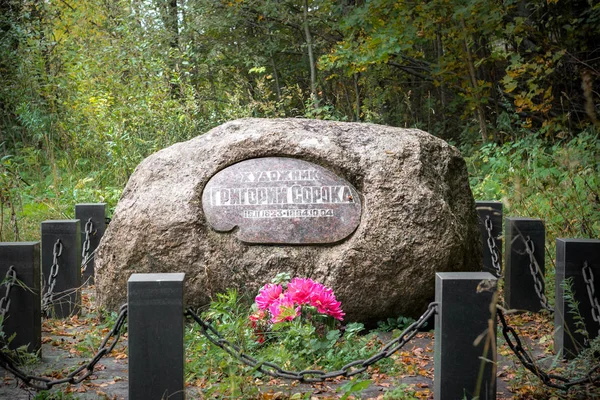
<point>357,92</point>
<point>439,47</point>
<point>170,20</point>
<point>276,77</point>
<point>479,109</point>
<point>172,23</point>
<point>311,57</point>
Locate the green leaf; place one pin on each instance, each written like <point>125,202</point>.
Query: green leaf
<point>354,387</point>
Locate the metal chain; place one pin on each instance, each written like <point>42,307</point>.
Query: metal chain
<point>89,259</point>
<point>588,278</point>
<point>81,373</point>
<point>85,251</point>
<point>536,274</point>
<point>48,297</point>
<point>311,376</point>
<point>8,282</point>
<point>551,380</point>
<point>491,243</point>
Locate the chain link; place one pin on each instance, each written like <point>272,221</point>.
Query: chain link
<point>311,376</point>
<point>536,274</point>
<point>89,259</point>
<point>81,373</point>
<point>48,297</point>
<point>8,282</point>
<point>491,243</point>
<point>85,251</point>
<point>588,278</point>
<point>551,380</point>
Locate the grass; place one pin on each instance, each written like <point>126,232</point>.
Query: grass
<point>295,347</point>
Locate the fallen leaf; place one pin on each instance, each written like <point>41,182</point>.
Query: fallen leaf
<point>418,351</point>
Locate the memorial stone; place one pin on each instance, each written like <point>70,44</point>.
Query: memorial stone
<point>371,211</point>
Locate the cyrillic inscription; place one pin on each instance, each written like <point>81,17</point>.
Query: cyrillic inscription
<point>281,200</point>
<point>281,195</point>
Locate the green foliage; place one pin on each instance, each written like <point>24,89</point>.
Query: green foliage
<point>587,358</point>
<point>105,84</point>
<point>103,321</point>
<point>10,185</point>
<point>88,90</point>
<point>573,308</point>
<point>558,183</point>
<point>293,345</point>
<point>474,59</point>
<point>46,395</point>
<point>282,278</point>
<point>353,386</point>
<point>400,323</point>
<point>402,392</point>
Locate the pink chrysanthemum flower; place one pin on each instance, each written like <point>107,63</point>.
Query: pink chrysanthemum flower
<point>268,295</point>
<point>283,309</point>
<point>300,289</point>
<point>325,302</point>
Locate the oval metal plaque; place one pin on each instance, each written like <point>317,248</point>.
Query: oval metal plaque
<point>281,200</point>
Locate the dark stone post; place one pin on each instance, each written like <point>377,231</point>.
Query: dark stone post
<point>490,216</point>
<point>155,323</point>
<point>24,318</point>
<point>66,293</point>
<point>97,213</point>
<point>464,312</point>
<point>578,259</point>
<point>521,290</point>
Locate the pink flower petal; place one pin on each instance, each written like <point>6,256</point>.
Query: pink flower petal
<point>267,295</point>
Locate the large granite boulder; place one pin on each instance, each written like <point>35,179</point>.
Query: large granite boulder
<point>370,211</point>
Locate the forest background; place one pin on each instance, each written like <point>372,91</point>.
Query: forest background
<point>90,88</point>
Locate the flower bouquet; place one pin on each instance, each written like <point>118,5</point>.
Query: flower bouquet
<point>302,305</point>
